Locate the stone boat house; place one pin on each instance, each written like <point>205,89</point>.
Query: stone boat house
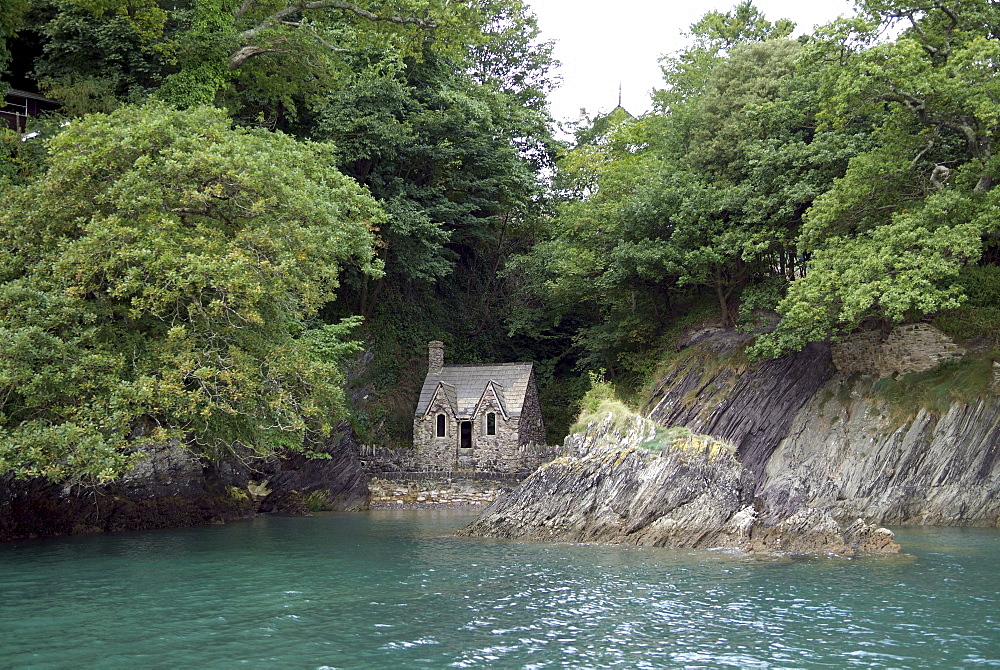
<point>483,417</point>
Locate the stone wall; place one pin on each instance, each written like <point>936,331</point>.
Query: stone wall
<point>532,428</point>
<point>519,443</point>
<point>380,461</point>
<point>409,464</point>
<point>492,452</point>
<point>433,492</point>
<point>433,451</point>
<point>911,348</point>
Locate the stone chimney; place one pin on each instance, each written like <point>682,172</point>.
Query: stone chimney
<point>435,357</point>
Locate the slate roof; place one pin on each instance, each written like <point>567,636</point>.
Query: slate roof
<point>464,386</point>
<point>501,396</point>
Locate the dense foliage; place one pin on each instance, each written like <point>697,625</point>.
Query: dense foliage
<point>159,280</point>
<point>242,183</point>
<point>841,178</point>
<point>216,251</point>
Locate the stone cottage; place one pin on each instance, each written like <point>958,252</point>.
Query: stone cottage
<point>486,417</point>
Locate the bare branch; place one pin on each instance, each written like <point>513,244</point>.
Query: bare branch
<point>951,16</point>
<point>247,4</point>
<point>916,159</point>
<point>939,175</point>
<point>241,55</point>
<point>915,25</point>
<point>327,44</point>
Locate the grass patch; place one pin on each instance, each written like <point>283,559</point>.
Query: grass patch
<point>966,380</point>
<point>968,323</point>
<point>688,443</point>
<point>600,400</point>
<point>710,366</point>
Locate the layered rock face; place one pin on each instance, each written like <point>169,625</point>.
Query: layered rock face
<point>334,483</point>
<point>813,436</point>
<point>692,494</point>
<point>851,457</point>
<point>751,408</point>
<point>818,458</point>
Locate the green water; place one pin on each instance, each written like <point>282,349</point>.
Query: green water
<point>390,589</point>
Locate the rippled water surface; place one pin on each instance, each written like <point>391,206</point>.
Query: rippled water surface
<point>392,589</point>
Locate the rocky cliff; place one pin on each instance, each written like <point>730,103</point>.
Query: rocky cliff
<point>815,436</point>
<point>168,488</point>
<point>711,391</point>
<point>337,482</point>
<point>846,452</point>
<point>819,455</point>
<point>692,493</point>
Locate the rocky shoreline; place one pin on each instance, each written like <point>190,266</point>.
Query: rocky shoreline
<point>827,438</point>
<point>690,493</point>
<point>171,487</point>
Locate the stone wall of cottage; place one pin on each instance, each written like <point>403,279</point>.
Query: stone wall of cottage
<point>432,451</point>
<point>491,452</point>
<point>911,348</point>
<point>532,426</point>
<point>519,443</point>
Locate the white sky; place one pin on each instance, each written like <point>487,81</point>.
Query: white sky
<point>603,43</point>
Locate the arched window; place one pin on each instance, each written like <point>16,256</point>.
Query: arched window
<point>491,424</point>
<point>440,425</point>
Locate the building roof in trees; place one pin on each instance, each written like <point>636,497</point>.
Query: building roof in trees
<point>464,386</point>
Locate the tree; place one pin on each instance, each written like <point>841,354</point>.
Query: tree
<point>921,202</point>
<point>11,14</point>
<point>450,144</point>
<point>158,282</point>
<point>703,199</point>
<point>257,57</point>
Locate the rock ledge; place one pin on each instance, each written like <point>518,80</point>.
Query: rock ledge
<point>614,488</point>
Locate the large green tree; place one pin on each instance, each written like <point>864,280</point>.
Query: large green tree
<point>267,61</point>
<point>159,281</point>
<point>701,200</point>
<point>888,241</point>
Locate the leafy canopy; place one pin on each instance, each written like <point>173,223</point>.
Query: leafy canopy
<point>889,239</point>
<point>158,281</point>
